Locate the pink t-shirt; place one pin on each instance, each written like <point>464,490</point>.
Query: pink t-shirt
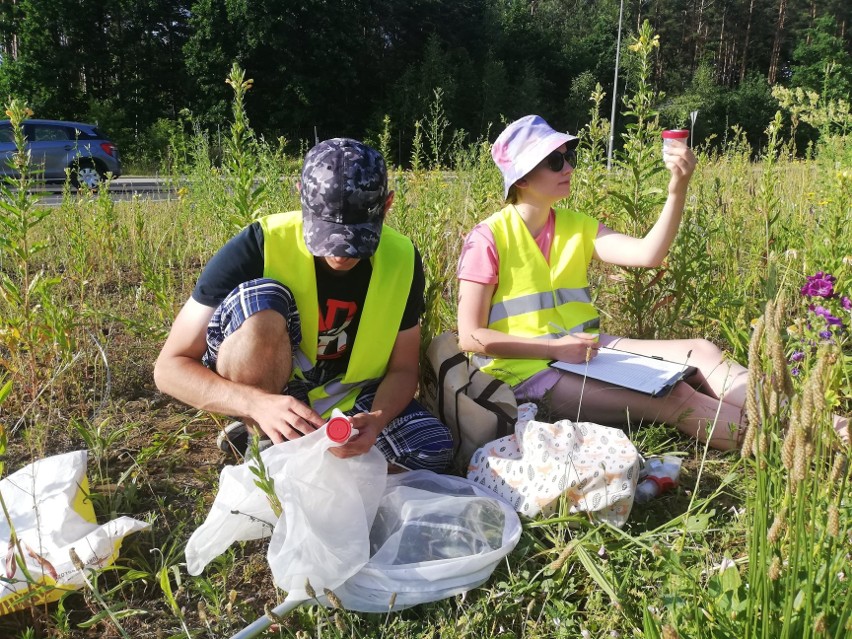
<point>479,261</point>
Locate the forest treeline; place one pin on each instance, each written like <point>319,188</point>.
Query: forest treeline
<point>143,68</point>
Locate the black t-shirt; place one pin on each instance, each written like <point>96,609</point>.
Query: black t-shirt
<point>340,295</point>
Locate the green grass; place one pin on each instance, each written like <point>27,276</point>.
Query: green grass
<point>99,284</point>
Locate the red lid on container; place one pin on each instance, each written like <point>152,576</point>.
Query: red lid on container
<point>664,484</point>
<point>676,134</point>
<point>338,429</point>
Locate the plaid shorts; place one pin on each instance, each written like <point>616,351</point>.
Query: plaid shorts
<point>415,439</point>
<point>244,301</point>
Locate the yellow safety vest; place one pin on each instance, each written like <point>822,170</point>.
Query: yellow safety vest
<point>534,298</point>
<point>287,260</point>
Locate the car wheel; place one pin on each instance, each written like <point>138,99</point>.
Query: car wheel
<point>88,175</point>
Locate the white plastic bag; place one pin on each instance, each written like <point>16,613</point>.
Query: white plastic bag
<point>328,506</point>
<point>51,513</point>
<point>594,466</point>
<point>434,536</point>
<point>323,534</point>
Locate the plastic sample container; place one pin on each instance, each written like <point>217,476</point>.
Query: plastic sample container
<point>674,136</point>
<point>339,429</point>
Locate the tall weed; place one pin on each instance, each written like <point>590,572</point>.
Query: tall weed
<point>240,161</point>
<point>636,198</point>
<point>37,337</point>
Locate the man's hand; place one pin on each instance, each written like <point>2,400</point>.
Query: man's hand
<point>368,425</point>
<point>576,348</point>
<point>284,417</point>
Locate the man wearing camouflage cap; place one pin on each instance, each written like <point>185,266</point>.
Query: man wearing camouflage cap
<point>311,310</point>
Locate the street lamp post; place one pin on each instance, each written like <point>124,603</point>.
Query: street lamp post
<point>614,90</point>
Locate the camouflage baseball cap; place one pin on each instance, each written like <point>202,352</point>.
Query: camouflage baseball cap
<point>344,188</point>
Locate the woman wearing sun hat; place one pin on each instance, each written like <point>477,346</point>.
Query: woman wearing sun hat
<point>524,297</point>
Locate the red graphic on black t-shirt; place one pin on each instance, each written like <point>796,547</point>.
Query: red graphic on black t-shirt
<point>333,323</point>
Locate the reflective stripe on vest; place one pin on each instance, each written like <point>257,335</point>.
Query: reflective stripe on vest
<point>335,392</point>
<point>286,259</point>
<point>537,302</point>
<point>536,299</point>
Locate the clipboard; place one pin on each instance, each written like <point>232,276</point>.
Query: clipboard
<point>653,376</point>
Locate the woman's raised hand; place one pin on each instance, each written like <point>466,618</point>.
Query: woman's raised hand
<point>680,161</point>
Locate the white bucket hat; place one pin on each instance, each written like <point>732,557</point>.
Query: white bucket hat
<point>523,144</point>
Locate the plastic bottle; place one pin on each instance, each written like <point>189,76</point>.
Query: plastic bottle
<point>339,429</point>
<point>662,475</point>
<point>673,136</point>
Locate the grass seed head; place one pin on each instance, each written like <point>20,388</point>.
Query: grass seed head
<point>838,469</point>
<point>75,559</point>
<point>763,445</point>
<point>800,462</point>
<point>778,526</point>
<point>340,622</point>
<point>775,568</point>
<point>271,614</point>
<point>752,408</point>
<point>754,371</point>
<point>747,448</point>
<point>774,403</point>
<point>782,382</point>
<point>817,384</point>
<point>669,632</point>
<point>833,521</point>
<point>332,599</point>
<point>806,416</point>
<point>788,448</point>
<point>557,563</point>
<point>309,589</point>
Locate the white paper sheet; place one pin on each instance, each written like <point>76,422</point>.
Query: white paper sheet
<point>648,375</point>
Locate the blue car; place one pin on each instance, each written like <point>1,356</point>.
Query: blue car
<point>59,149</point>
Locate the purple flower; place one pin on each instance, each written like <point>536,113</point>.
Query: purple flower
<point>846,303</point>
<point>819,285</point>
<point>795,371</point>
<point>826,334</point>
<point>797,356</point>
<point>823,312</point>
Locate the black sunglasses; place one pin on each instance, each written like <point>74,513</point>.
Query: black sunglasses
<point>556,160</point>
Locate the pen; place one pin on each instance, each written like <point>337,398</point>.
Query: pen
<point>558,328</point>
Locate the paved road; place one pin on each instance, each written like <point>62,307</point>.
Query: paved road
<point>124,188</point>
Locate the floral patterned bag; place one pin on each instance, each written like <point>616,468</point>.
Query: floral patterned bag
<point>595,467</point>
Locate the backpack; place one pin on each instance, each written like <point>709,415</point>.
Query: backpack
<point>476,407</point>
